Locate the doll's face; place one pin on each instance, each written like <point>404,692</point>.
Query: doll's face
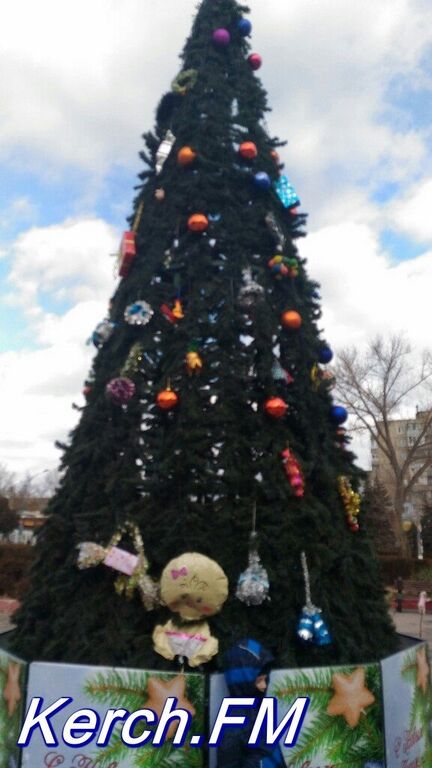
<point>194,586</point>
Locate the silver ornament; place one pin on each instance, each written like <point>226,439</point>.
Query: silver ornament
<point>250,292</point>
<point>138,313</point>
<point>276,231</point>
<point>280,374</point>
<point>253,584</point>
<point>164,150</point>
<point>102,333</point>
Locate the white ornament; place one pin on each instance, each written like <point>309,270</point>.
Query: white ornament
<point>164,150</point>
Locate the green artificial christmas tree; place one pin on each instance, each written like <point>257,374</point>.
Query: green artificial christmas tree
<point>209,426</point>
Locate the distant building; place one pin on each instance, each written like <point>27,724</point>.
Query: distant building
<point>31,518</point>
<point>404,433</point>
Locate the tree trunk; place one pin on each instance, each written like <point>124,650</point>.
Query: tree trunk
<point>398,509</point>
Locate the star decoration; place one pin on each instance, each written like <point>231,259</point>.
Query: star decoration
<point>422,669</point>
<point>159,691</point>
<point>12,691</point>
<point>351,696</point>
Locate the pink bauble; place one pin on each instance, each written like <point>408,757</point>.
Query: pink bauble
<point>120,391</point>
<point>255,61</point>
<point>221,37</point>
<point>296,481</point>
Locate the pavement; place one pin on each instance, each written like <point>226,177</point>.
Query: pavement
<point>408,623</point>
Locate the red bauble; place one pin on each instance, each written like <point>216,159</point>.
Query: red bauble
<point>275,155</point>
<point>275,407</point>
<point>167,399</point>
<point>87,390</point>
<point>198,222</point>
<point>255,61</point>
<point>186,156</point>
<point>248,150</point>
<point>292,320</point>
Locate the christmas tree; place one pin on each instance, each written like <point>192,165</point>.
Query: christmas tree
<point>209,424</point>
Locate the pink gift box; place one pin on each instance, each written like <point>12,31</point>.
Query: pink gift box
<point>121,561</point>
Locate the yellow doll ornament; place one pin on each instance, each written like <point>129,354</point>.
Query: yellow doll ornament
<point>194,586</point>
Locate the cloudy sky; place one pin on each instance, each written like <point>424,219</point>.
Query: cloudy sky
<point>350,83</point>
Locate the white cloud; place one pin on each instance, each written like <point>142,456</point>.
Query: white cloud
<point>70,261</point>
<point>37,389</point>
<point>79,85</point>
<point>81,81</point>
<point>363,291</point>
<point>412,213</point>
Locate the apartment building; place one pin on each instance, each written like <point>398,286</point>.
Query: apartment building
<point>405,434</point>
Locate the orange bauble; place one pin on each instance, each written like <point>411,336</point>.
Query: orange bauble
<point>167,399</point>
<point>198,222</point>
<point>248,150</point>
<point>292,320</point>
<point>275,156</point>
<point>186,156</point>
<point>275,407</point>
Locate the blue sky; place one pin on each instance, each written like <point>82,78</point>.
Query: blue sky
<point>350,86</point>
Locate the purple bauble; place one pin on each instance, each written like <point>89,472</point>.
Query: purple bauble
<point>120,391</point>
<point>221,37</point>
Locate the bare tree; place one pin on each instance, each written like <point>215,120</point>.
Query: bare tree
<point>379,385</point>
<point>7,480</point>
<point>47,482</point>
<point>8,517</point>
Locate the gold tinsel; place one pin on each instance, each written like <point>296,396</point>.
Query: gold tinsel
<point>91,554</point>
<point>134,360</point>
<point>351,499</point>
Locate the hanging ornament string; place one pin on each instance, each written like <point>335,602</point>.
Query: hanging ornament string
<point>306,577</point>
<point>138,217</point>
<point>311,627</point>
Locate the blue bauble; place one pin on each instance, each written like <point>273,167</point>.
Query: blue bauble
<point>262,181</point>
<point>321,634</point>
<point>244,27</point>
<point>325,356</point>
<point>305,627</point>
<point>338,414</point>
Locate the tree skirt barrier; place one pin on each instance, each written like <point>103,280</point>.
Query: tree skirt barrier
<point>372,715</point>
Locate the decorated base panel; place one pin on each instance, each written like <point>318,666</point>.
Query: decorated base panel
<point>104,688</point>
<point>360,716</point>
<point>408,708</point>
<point>12,697</point>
